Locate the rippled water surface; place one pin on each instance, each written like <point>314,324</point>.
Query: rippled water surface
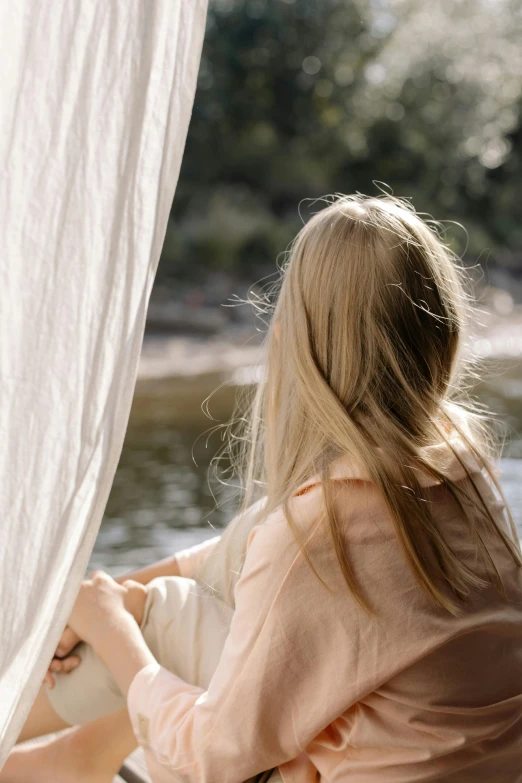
<point>161,500</point>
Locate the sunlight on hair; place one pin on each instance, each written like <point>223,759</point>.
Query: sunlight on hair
<point>373,312</point>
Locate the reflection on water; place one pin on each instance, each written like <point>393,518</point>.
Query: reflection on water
<point>161,500</point>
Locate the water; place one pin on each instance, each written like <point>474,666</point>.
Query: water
<point>161,500</point>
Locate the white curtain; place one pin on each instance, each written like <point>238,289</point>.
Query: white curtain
<point>95,100</point>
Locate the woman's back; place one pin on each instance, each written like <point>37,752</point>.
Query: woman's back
<point>415,694</point>
<point>431,696</point>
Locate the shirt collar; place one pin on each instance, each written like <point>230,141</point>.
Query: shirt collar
<point>440,455</point>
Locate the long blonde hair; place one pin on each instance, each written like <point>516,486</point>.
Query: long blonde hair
<point>364,350</point>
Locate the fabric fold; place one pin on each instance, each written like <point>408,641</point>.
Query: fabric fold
<point>95,101</point>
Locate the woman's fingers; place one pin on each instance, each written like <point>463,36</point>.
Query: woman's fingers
<point>65,665</point>
<point>68,640</point>
<point>58,666</point>
<point>62,662</point>
<point>70,663</point>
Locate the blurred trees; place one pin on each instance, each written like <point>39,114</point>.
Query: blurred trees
<point>299,98</point>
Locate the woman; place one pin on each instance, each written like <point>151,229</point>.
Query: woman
<point>376,632</point>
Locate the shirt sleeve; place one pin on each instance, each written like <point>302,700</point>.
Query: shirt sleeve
<point>276,683</point>
<point>190,559</point>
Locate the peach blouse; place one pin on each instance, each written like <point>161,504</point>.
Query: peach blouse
<point>311,683</point>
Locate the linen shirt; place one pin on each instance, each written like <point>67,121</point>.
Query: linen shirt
<point>309,682</point>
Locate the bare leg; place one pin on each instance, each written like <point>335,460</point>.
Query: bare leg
<point>92,753</point>
<point>42,719</point>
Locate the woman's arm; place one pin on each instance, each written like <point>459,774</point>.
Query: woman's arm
<point>167,567</point>
<point>276,685</point>
<point>183,563</point>
<point>102,618</point>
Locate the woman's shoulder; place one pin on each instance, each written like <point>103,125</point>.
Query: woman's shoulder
<point>305,513</point>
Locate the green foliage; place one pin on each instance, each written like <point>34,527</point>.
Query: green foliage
<point>299,98</point>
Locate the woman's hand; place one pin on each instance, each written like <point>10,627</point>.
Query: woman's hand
<point>60,666</point>
<point>104,596</point>
<point>107,616</point>
<point>101,601</point>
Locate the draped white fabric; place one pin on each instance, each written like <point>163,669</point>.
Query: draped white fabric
<point>95,100</point>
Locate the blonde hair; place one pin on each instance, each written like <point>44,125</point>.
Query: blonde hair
<point>371,316</point>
